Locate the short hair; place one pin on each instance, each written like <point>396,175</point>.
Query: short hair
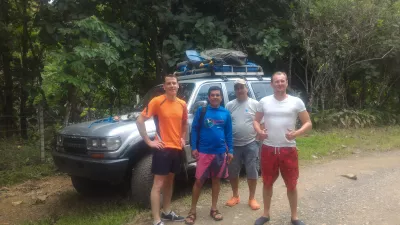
<point>214,88</point>
<point>171,75</point>
<point>278,73</point>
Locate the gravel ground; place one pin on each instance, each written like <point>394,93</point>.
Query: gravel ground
<point>325,197</point>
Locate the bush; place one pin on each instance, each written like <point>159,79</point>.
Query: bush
<point>349,118</point>
<point>20,161</point>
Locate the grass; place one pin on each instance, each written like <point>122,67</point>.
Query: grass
<point>20,161</point>
<point>75,209</point>
<point>91,211</point>
<point>341,142</point>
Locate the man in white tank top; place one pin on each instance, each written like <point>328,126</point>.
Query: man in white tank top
<point>278,153</point>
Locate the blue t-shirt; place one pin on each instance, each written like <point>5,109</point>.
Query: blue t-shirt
<point>215,133</point>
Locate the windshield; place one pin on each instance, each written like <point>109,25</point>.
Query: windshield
<point>184,92</point>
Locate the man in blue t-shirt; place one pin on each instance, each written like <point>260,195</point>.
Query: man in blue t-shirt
<point>213,150</point>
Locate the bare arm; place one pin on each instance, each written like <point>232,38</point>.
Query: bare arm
<point>257,122</point>
<point>306,123</point>
<point>184,129</point>
<point>184,132</point>
<point>142,129</point>
<point>306,126</point>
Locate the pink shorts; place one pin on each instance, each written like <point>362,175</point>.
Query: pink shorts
<point>211,165</point>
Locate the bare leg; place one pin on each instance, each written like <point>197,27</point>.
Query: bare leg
<point>267,195</point>
<point>235,186</point>
<point>292,196</point>
<point>196,194</point>
<point>215,192</point>
<point>155,196</point>
<point>252,187</point>
<point>168,189</point>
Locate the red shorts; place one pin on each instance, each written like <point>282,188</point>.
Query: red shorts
<point>283,159</point>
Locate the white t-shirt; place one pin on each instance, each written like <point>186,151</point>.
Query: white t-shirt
<point>243,114</point>
<point>279,116</point>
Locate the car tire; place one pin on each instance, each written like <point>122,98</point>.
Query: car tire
<point>87,187</point>
<point>142,182</point>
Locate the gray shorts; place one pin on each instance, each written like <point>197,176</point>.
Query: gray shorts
<point>247,155</point>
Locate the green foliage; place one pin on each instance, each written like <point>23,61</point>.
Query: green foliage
<point>104,212</point>
<point>20,161</point>
<point>337,143</point>
<point>273,46</point>
<point>353,119</point>
<point>91,54</point>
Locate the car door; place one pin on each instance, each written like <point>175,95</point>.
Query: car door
<point>200,95</point>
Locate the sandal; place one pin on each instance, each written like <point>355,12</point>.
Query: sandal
<point>190,219</point>
<point>216,215</point>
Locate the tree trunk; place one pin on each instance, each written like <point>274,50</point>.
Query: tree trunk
<point>346,97</point>
<point>24,77</point>
<point>70,104</point>
<point>306,75</point>
<point>8,93</point>
<point>362,93</point>
<point>41,131</point>
<point>67,113</point>
<point>119,102</point>
<point>5,54</point>
<point>290,69</point>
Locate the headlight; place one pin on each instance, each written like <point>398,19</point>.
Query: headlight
<point>59,140</point>
<point>106,143</point>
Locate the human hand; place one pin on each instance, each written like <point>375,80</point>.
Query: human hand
<point>195,154</point>
<point>230,158</point>
<point>291,134</point>
<point>156,144</point>
<point>263,134</point>
<point>183,142</point>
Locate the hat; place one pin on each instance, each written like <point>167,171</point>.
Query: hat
<point>240,81</point>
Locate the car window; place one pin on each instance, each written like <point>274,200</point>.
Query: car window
<point>202,95</point>
<point>261,89</point>
<point>231,90</point>
<point>184,92</point>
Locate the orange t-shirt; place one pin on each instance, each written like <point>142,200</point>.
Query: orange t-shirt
<point>168,118</point>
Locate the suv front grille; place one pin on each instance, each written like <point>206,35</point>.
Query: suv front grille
<point>75,145</point>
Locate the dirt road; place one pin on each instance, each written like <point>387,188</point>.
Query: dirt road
<point>325,196</point>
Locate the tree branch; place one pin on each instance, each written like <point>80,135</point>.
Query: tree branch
<point>366,60</point>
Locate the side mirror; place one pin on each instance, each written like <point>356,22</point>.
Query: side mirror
<point>198,104</point>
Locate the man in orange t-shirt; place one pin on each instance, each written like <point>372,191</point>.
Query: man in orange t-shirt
<point>170,117</point>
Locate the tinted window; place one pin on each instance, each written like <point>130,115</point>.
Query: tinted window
<point>261,89</point>
<point>184,92</point>
<point>203,91</point>
<point>231,90</point>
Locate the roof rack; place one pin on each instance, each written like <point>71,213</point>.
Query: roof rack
<point>233,72</point>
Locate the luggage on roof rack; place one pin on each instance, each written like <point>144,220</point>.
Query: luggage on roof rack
<point>216,62</point>
<point>221,71</point>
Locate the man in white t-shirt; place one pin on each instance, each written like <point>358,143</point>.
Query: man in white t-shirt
<point>243,110</point>
<point>278,153</point>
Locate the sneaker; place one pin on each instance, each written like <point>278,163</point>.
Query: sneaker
<point>172,216</point>
<point>261,221</point>
<point>297,222</point>
<point>233,201</point>
<point>160,223</point>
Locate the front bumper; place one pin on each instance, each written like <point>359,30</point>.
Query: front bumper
<point>111,170</point>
